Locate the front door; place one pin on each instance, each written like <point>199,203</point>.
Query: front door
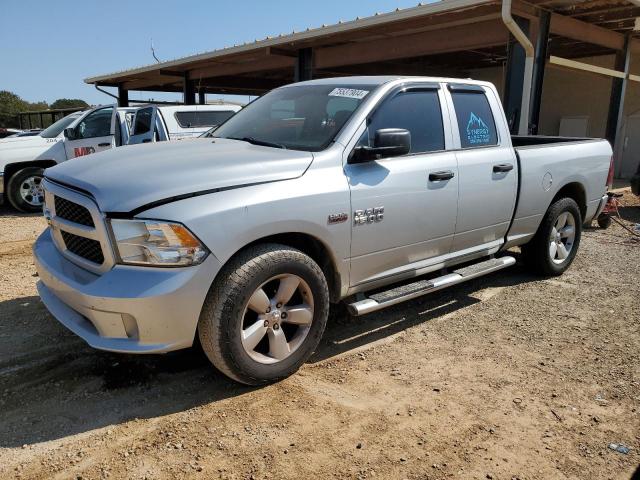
<point>488,170</point>
<point>144,123</point>
<point>404,208</point>
<point>93,133</point>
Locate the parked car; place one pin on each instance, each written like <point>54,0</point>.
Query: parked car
<point>8,132</point>
<point>27,133</point>
<point>23,159</point>
<point>366,191</point>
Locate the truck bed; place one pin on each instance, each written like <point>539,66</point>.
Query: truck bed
<point>533,140</point>
<point>547,164</point>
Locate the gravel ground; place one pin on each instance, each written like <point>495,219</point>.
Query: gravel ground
<point>507,377</point>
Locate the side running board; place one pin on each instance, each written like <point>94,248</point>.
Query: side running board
<point>384,299</point>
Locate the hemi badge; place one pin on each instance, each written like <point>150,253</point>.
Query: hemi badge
<point>338,218</point>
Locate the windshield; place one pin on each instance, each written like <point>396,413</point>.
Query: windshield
<point>56,129</point>
<point>305,117</point>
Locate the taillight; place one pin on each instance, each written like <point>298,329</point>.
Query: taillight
<point>610,176</point>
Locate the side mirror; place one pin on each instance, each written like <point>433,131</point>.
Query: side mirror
<point>388,142</point>
<point>70,133</point>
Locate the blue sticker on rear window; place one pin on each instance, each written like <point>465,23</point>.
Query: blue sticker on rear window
<point>477,131</point>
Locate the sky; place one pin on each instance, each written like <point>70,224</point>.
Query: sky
<point>49,48</point>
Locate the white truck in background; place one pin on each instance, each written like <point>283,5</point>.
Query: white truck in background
<point>23,159</point>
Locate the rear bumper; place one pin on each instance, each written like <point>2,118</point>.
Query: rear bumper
<point>127,309</point>
<point>601,205</point>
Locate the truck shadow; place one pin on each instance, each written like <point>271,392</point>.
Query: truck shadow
<point>52,385</point>
<point>345,333</point>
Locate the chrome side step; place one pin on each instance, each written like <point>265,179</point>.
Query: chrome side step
<point>384,299</point>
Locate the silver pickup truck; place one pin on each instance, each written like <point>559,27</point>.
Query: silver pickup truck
<point>366,191</point>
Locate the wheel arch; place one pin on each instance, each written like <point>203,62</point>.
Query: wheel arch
<point>12,168</point>
<point>314,248</point>
<point>575,191</point>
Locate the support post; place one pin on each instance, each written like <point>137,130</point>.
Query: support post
<point>123,96</point>
<point>538,71</point>
<point>202,97</point>
<point>304,65</point>
<point>514,80</point>
<point>189,92</point>
<point>615,119</point>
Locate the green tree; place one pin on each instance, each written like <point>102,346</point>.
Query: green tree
<point>68,103</point>
<point>11,104</point>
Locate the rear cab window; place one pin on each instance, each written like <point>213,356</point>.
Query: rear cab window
<point>476,124</point>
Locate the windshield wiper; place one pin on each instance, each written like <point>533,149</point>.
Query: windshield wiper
<point>255,141</point>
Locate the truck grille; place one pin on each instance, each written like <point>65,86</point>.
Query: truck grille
<point>78,228</point>
<point>83,247</point>
<point>73,212</point>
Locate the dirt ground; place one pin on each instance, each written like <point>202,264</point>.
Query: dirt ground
<point>507,377</point>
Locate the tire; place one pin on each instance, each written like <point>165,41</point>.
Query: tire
<point>604,220</point>
<point>232,311</point>
<point>538,252</point>
<point>28,179</point>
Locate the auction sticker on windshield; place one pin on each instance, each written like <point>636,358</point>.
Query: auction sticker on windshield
<point>348,92</point>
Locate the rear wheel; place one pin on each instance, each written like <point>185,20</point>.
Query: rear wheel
<point>24,189</point>
<point>265,314</point>
<point>553,248</point>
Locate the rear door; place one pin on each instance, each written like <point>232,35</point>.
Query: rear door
<point>93,133</point>
<point>487,165</point>
<point>144,122</point>
<point>404,208</point>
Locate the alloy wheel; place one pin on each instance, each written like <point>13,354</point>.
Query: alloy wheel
<point>31,191</point>
<point>277,318</point>
<point>562,238</point>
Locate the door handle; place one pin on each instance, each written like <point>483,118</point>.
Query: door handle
<point>502,167</point>
<point>444,175</point>
<point>104,144</point>
<point>146,140</point>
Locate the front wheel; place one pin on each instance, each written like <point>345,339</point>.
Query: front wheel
<point>553,248</point>
<point>264,314</point>
<point>24,189</point>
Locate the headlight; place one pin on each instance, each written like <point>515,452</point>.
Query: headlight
<point>156,243</point>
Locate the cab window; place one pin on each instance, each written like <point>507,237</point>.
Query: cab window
<point>475,120</point>
<point>417,111</point>
<point>96,124</point>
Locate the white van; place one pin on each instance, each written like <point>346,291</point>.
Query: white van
<point>23,159</point>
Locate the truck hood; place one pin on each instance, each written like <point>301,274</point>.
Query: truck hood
<point>24,149</point>
<point>133,177</point>
<point>25,142</point>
